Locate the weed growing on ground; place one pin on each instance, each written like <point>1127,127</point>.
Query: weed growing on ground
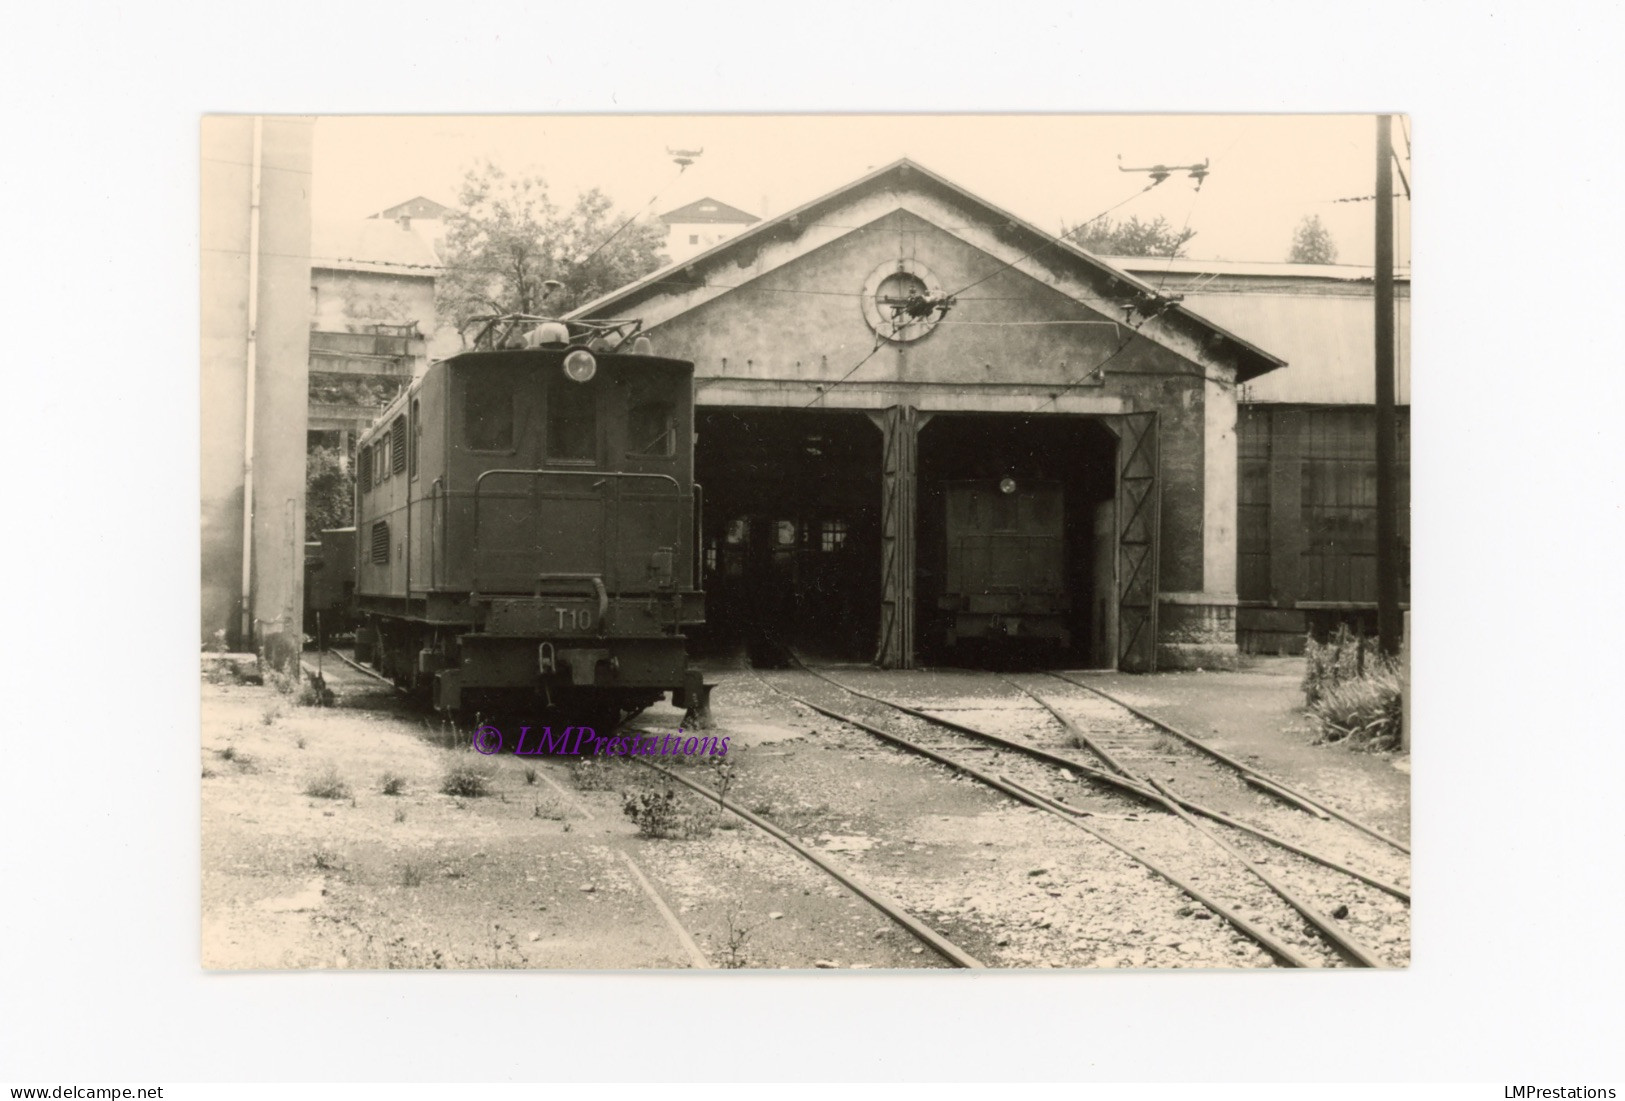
<point>530,775</point>
<point>207,772</point>
<point>664,814</point>
<point>1366,712</point>
<point>722,776</point>
<point>504,949</point>
<point>467,779</point>
<point>400,815</point>
<point>392,784</point>
<point>411,875</point>
<point>551,807</point>
<point>1344,656</point>
<point>733,951</point>
<point>271,714</point>
<point>590,775</point>
<point>328,784</point>
<point>325,860</point>
<point>243,761</point>
<point>1353,691</point>
<point>300,743</point>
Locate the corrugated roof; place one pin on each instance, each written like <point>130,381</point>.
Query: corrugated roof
<point>1155,265</point>
<point>708,210</point>
<point>371,244</point>
<point>1328,339</point>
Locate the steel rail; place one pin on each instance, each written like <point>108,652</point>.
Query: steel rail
<point>1351,949</point>
<point>1264,940</point>
<point>1123,783</point>
<point>1240,766</point>
<point>893,910</point>
<point>358,667</point>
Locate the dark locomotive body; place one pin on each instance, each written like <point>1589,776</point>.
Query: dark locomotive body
<point>1006,572</point>
<point>330,584</point>
<point>524,529</point>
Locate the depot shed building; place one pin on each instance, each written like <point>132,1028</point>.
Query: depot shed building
<point>829,418</point>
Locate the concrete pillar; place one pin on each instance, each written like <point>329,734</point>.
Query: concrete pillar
<point>1198,629</point>
<point>281,342</point>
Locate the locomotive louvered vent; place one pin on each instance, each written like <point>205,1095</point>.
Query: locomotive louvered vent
<point>380,542</point>
<point>397,445</point>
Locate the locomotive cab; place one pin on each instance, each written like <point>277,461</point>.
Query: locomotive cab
<point>528,526</point>
<point>1005,576</point>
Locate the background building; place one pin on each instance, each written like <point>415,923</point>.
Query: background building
<point>702,224</point>
<point>421,215</point>
<point>255,311</point>
<point>1306,525</point>
<point>372,322</point>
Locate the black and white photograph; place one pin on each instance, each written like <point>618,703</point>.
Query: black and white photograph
<point>812,542</point>
<point>736,551</point>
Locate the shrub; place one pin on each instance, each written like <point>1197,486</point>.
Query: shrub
<point>1342,657</point>
<point>1364,711</point>
<point>663,814</point>
<point>411,875</point>
<point>467,779</point>
<point>328,784</point>
<point>590,775</point>
<point>393,784</point>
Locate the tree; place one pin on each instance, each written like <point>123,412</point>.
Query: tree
<point>507,239</point>
<point>329,490</point>
<point>1132,237</point>
<point>1312,243</point>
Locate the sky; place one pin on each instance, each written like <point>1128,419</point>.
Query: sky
<point>1267,171</point>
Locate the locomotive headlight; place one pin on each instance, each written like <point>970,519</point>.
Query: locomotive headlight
<point>580,365</point>
<point>1007,485</point>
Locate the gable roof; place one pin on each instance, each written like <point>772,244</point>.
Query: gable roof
<point>708,210</point>
<point>415,207</point>
<point>1187,333</point>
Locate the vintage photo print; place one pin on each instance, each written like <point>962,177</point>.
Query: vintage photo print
<point>808,542</point>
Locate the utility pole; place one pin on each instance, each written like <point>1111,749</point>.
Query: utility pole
<point>1388,622</point>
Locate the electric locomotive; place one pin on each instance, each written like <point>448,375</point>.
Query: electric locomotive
<point>1006,563</point>
<point>526,524</point>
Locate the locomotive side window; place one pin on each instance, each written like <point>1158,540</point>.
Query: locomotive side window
<point>651,430</point>
<point>572,422</point>
<point>488,413</point>
<point>397,445</point>
<point>738,532</point>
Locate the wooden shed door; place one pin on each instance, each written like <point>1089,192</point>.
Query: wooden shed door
<point>1137,535</point>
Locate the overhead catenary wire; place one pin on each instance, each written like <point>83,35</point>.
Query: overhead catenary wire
<point>1054,240</point>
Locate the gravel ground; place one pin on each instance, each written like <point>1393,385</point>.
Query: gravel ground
<point>534,874</point>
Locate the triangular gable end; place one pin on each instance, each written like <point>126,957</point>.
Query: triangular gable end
<point>1007,242</point>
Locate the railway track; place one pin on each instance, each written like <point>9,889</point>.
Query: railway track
<point>951,953</point>
<point>1279,903</point>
